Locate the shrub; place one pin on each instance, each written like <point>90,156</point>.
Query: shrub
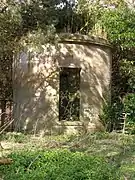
<point>111,115</point>
<point>129,104</point>
<point>129,108</point>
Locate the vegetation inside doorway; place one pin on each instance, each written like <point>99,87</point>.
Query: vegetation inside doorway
<point>69,94</point>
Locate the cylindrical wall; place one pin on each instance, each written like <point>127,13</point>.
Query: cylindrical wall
<point>36,84</point>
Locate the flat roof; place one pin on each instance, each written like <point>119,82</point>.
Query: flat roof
<point>83,39</point>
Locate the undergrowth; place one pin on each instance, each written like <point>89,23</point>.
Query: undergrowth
<point>39,158</point>
<point>58,165</point>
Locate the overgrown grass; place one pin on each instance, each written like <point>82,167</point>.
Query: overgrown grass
<point>15,137</point>
<point>58,165</point>
<point>116,150</point>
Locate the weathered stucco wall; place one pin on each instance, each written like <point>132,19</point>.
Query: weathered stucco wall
<point>36,84</point>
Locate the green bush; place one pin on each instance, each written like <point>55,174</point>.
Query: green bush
<point>58,165</point>
<point>129,105</point>
<point>129,108</point>
<point>111,115</point>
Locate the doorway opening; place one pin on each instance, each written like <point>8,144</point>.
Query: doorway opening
<point>69,94</point>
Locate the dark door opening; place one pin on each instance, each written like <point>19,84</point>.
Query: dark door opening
<point>69,94</point>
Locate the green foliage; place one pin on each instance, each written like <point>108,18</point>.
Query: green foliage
<point>10,23</point>
<point>127,71</point>
<point>58,165</point>
<point>111,115</point>
<point>119,24</point>
<point>117,149</point>
<point>129,107</point>
<point>90,12</point>
<point>106,116</point>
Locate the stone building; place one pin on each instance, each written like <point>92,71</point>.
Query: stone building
<point>62,89</point>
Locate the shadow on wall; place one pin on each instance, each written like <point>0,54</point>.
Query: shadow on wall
<point>36,85</point>
<point>35,96</point>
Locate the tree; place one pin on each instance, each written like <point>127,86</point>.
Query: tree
<point>119,24</point>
